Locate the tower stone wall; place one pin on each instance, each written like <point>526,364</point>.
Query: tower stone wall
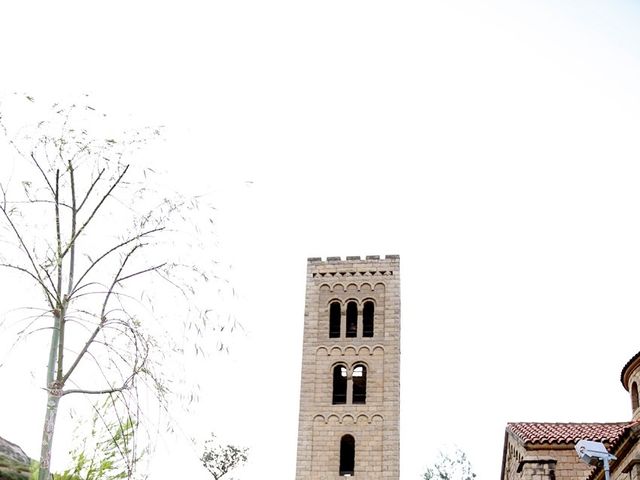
<point>328,420</point>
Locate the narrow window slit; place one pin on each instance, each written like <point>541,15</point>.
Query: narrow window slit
<point>334,320</point>
<point>352,319</point>
<point>359,385</point>
<point>347,455</point>
<point>367,319</point>
<point>339,385</point>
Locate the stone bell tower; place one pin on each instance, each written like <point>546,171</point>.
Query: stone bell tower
<point>349,424</point>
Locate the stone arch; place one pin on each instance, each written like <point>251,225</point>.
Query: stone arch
<point>352,287</point>
<point>319,418</point>
<point>338,287</point>
<point>364,350</point>
<point>366,287</point>
<point>369,299</point>
<point>379,287</point>
<point>349,350</point>
<point>362,419</point>
<point>325,288</point>
<point>378,349</point>
<point>348,419</point>
<point>322,351</point>
<point>336,351</point>
<point>377,418</point>
<point>356,363</point>
<point>335,299</point>
<point>341,364</point>
<point>333,418</point>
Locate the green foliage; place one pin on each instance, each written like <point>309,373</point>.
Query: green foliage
<point>450,466</point>
<point>220,460</point>
<point>105,455</point>
<point>106,451</point>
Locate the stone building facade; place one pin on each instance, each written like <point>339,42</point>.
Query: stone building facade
<point>546,451</point>
<point>350,386</point>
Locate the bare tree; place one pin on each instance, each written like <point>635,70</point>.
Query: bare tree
<point>100,244</point>
<point>220,460</point>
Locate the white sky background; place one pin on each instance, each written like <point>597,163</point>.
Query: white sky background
<point>493,145</point>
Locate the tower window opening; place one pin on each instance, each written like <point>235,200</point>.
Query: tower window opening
<point>367,319</point>
<point>359,384</point>
<point>634,396</point>
<point>347,455</point>
<point>334,320</point>
<point>339,385</point>
<point>352,319</point>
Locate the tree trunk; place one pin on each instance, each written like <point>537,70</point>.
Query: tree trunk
<point>53,399</point>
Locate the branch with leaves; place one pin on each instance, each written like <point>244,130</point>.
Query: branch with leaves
<point>453,465</point>
<point>220,460</point>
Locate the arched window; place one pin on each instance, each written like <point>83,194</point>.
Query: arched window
<point>334,320</point>
<point>367,319</point>
<point>339,385</point>
<point>352,319</point>
<point>347,455</point>
<point>634,396</point>
<point>359,384</point>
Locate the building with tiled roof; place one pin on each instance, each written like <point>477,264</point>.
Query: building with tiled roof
<point>546,451</point>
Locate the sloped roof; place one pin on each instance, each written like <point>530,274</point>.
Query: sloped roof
<point>566,433</point>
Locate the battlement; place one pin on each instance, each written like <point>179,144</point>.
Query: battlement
<point>354,266</point>
<point>355,258</point>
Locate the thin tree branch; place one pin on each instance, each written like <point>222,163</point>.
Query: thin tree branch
<point>111,250</point>
<point>93,184</point>
<point>150,269</point>
<point>26,250</point>
<point>103,318</point>
<point>94,392</point>
<point>24,270</point>
<point>95,210</point>
<point>27,202</point>
<point>44,175</point>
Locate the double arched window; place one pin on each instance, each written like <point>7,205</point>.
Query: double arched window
<point>342,381</point>
<point>351,317</point>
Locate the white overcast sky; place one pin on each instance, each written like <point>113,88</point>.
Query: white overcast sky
<point>493,144</point>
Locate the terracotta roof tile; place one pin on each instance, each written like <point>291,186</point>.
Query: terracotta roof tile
<point>533,432</point>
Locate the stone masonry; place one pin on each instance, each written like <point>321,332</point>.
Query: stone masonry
<point>371,425</point>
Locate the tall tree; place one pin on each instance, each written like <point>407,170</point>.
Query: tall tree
<point>112,256</point>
